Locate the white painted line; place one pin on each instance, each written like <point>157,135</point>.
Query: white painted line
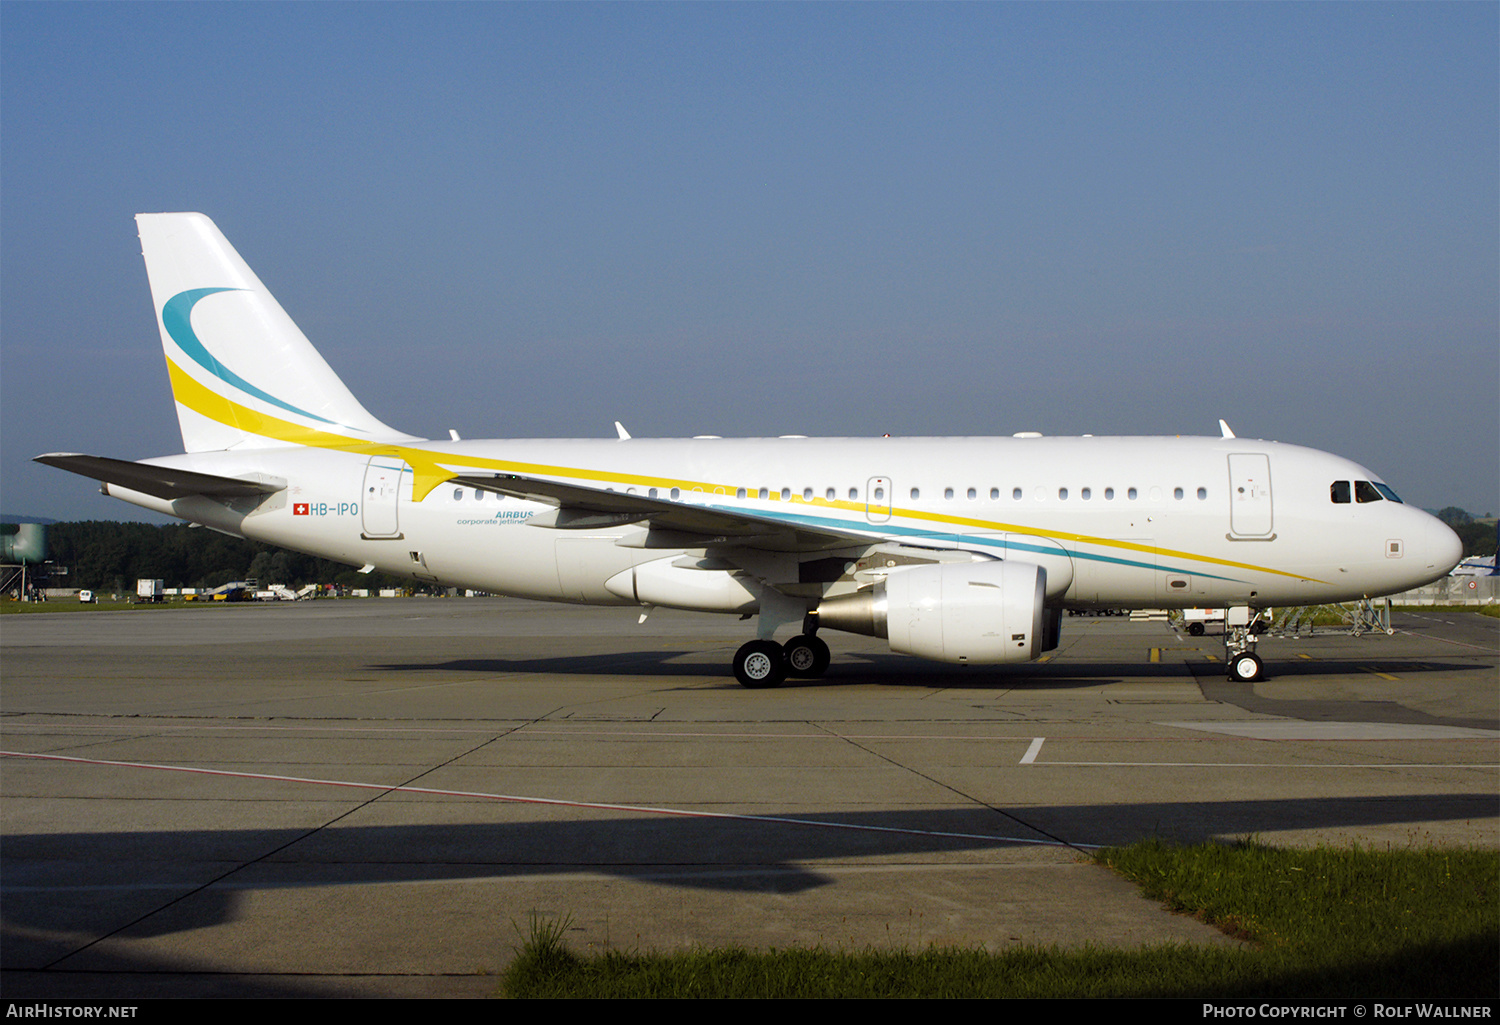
<point>555,802</point>
<point>1486,766</point>
<point>1429,637</point>
<point>1297,729</point>
<point>1033,750</point>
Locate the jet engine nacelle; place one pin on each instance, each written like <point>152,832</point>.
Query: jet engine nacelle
<point>971,613</point>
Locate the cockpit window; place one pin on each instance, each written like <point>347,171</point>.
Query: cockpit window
<point>1364,491</point>
<point>1385,490</point>
<point>1339,492</point>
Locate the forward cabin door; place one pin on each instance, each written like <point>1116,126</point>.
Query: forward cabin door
<point>1250,495</point>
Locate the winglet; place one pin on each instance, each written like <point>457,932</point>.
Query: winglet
<point>1225,428</point>
<point>620,428</point>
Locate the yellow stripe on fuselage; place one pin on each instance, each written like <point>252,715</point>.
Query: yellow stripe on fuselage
<point>427,472</point>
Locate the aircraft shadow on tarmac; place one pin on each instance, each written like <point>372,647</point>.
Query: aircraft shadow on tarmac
<point>54,879</point>
<point>67,890</point>
<point>877,670</point>
<point>871,668</point>
<point>846,670</point>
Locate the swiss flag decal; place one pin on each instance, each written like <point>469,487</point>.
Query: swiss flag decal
<point>299,508</point>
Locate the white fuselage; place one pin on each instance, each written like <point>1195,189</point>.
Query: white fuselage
<point>1134,522</point>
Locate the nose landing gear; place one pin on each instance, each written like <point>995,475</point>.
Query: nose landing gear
<point>1242,628</point>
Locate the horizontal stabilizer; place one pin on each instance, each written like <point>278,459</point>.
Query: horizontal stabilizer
<point>162,482</point>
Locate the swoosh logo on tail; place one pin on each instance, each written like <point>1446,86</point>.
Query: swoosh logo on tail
<point>176,317</point>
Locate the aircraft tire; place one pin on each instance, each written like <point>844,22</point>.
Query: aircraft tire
<point>806,656</point>
<point>1245,667</point>
<point>759,664</point>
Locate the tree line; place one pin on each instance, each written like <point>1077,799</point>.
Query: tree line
<point>1478,535</point>
<point>111,556</point>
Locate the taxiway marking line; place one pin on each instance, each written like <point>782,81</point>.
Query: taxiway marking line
<point>552,801</point>
<point>1487,766</point>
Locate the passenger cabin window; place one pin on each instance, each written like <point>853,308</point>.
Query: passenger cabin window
<point>1339,492</point>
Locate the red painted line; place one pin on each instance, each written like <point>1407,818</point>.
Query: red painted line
<point>554,802</point>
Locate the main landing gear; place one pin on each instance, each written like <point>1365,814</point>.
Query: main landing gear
<point>761,664</point>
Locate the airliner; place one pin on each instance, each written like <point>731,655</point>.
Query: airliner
<point>962,550</point>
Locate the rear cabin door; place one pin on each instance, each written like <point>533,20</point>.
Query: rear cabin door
<point>381,496</point>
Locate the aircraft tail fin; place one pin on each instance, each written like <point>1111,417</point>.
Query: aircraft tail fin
<point>243,375</point>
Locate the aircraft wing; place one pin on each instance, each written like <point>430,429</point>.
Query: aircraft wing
<point>162,482</point>
<point>673,524</point>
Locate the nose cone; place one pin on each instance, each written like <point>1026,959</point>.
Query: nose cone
<point>1441,549</point>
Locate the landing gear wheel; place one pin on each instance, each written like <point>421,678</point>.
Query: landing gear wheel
<point>806,656</point>
<point>759,664</point>
<point>1245,667</point>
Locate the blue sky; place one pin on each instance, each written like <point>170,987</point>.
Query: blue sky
<point>528,220</point>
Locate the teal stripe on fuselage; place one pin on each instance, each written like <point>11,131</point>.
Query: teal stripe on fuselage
<point>988,541</point>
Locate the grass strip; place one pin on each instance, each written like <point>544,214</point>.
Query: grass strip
<point>1327,923</point>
